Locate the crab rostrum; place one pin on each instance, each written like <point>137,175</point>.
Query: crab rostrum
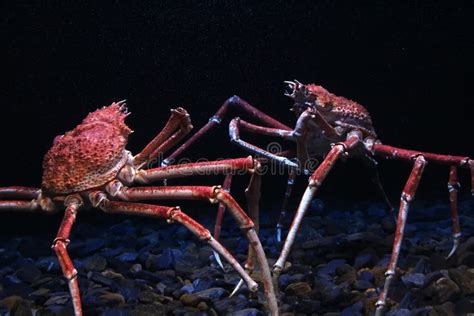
<point>330,128</point>
<point>90,167</point>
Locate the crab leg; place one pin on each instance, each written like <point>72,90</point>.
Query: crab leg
<point>453,187</point>
<point>453,162</point>
<point>179,119</point>
<point>19,192</point>
<point>407,197</point>
<point>16,205</point>
<point>172,214</point>
<point>315,181</point>
<point>214,195</point>
<point>221,209</point>
<point>59,245</point>
<point>234,133</point>
<point>375,179</point>
<point>253,194</point>
<point>289,189</point>
<point>220,216</point>
<point>228,166</point>
<point>233,102</point>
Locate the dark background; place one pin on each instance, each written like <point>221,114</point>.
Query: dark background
<point>410,63</point>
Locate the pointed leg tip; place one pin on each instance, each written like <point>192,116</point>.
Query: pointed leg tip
<point>239,285</point>
<point>453,250</point>
<point>218,260</point>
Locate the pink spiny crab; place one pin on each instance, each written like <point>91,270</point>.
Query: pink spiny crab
<point>332,127</point>
<point>90,167</point>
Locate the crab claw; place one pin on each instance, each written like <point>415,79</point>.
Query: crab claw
<point>218,260</point>
<point>295,87</point>
<point>456,241</point>
<point>292,86</point>
<point>237,288</point>
<point>123,106</point>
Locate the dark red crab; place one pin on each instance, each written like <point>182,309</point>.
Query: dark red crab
<point>331,127</point>
<point>90,167</point>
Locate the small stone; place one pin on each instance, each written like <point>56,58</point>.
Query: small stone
<point>366,275</point>
<point>365,259</point>
<point>149,297</point>
<point>442,310</point>
<point>135,268</point>
<point>111,299</point>
<point>362,285</point>
<point>445,290</point>
<point>85,248</point>
<point>348,278</point>
<point>399,312</point>
<point>11,302</point>
<point>115,312</point>
<point>345,268</point>
<point>331,266</point>
<point>166,260</point>
<point>212,293</point>
<point>28,272</point>
<point>202,306</point>
<point>190,299</point>
<point>58,300</point>
<point>354,310</point>
<point>99,278</point>
<point>149,310</point>
<point>300,289</point>
<point>414,280</point>
<point>128,257</point>
<point>95,263</point>
<point>247,312</point>
<point>464,279</point>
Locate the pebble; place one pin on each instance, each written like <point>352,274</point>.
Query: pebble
<point>300,289</point>
<point>336,268</point>
<point>190,299</point>
<point>111,299</point>
<point>212,293</point>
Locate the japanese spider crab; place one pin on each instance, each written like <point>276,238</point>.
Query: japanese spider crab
<point>333,127</point>
<point>90,167</point>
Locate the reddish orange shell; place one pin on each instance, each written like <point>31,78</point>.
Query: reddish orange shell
<point>348,112</point>
<point>88,156</point>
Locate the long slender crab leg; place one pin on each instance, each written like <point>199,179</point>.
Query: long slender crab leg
<point>407,197</point>
<point>315,181</point>
<point>289,188</point>
<point>179,119</point>
<point>214,195</point>
<point>228,166</point>
<point>375,178</point>
<point>216,119</point>
<point>220,216</point>
<point>453,187</point>
<point>19,192</point>
<point>234,133</point>
<point>16,205</point>
<point>59,245</point>
<point>172,214</point>
<point>221,209</point>
<point>253,194</point>
<point>391,152</point>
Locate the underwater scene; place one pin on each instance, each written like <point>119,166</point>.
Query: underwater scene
<point>237,158</point>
